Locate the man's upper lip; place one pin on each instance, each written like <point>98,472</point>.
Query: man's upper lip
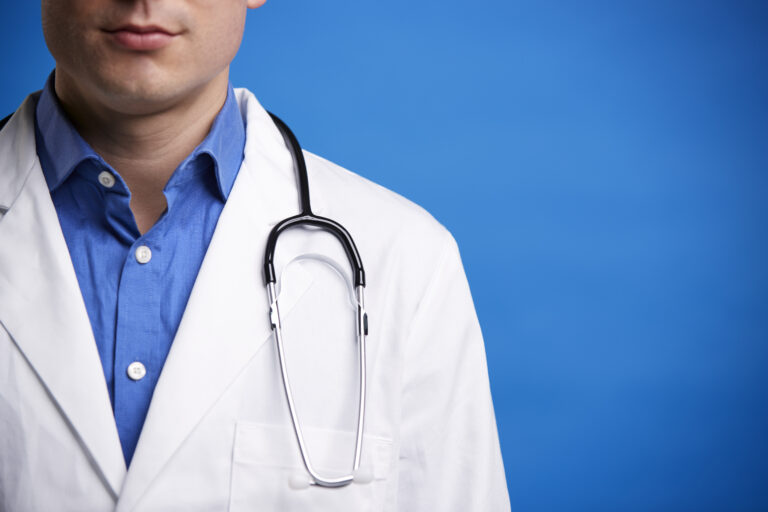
<point>141,29</point>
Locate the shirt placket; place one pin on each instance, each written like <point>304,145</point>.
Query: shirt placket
<point>136,366</point>
<point>137,333</point>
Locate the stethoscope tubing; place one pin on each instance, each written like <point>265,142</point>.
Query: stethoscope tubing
<point>307,218</point>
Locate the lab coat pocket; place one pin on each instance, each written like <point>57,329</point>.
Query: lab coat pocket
<point>266,459</point>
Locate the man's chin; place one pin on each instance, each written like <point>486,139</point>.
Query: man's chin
<point>141,96</point>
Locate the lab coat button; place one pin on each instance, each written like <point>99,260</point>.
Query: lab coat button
<point>143,254</point>
<point>106,179</point>
<point>136,371</point>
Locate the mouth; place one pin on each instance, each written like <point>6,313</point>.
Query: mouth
<point>141,38</point>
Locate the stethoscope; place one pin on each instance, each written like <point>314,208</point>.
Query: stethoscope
<point>307,218</point>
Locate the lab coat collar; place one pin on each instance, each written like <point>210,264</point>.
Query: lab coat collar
<point>41,306</point>
<point>226,319</point>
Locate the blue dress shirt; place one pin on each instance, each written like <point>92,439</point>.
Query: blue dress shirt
<point>135,286</point>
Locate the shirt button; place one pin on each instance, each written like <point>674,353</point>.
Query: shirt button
<point>143,254</point>
<point>136,371</point>
<point>106,179</point>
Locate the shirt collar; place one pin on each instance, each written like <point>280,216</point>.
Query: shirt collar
<point>61,148</point>
<point>55,135</point>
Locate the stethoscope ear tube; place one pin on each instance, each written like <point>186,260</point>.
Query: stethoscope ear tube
<point>362,331</point>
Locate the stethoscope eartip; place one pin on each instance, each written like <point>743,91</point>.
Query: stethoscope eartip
<point>299,481</point>
<point>362,476</point>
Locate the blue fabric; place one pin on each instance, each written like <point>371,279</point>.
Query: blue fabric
<point>135,309</point>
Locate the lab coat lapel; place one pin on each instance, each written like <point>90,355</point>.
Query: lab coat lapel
<point>41,306</point>
<point>226,319</point>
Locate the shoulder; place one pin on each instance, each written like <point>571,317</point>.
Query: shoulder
<point>360,201</point>
<point>336,191</point>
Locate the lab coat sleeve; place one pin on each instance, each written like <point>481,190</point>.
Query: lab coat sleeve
<point>450,458</point>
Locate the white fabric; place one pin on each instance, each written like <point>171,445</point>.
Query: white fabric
<point>218,435</point>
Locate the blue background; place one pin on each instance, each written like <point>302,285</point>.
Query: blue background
<point>604,167</point>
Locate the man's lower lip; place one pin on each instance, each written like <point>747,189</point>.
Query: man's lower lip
<point>141,41</point>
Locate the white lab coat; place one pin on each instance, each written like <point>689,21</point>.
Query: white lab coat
<point>218,435</point>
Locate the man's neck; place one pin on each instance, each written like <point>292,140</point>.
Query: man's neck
<point>145,149</point>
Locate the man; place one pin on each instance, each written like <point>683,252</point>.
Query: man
<point>137,364</point>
